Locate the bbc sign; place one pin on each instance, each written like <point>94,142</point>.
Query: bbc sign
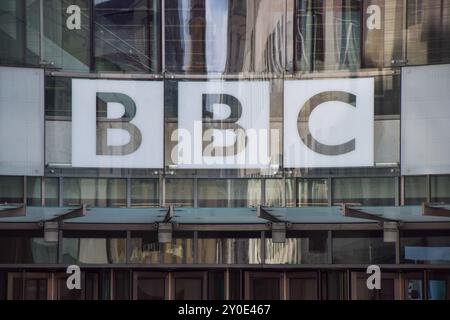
<point>223,124</point>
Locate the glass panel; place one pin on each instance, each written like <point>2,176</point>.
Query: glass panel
<point>224,36</point>
<point>216,285</point>
<point>94,248</point>
<point>121,285</point>
<point>438,286</point>
<point>327,35</point>
<point>127,35</point>
<point>180,251</point>
<point>291,193</point>
<point>440,189</point>
<point>229,193</point>
<point>265,288</point>
<point>299,248</point>
<point>95,192</point>
<point>11,189</point>
<point>19,32</point>
<point>303,288</point>
<point>179,192</point>
<point>33,191</point>
<point>35,289</point>
<point>415,190</point>
<point>145,248</point>
<point>150,288</point>
<point>274,192</point>
<point>428,32</point>
<point>364,191</point>
<point>312,192</point>
<point>144,192</point>
<point>17,247</point>
<point>383,33</point>
<point>414,286</point>
<point>334,285</point>
<point>51,192</point>
<point>229,248</point>
<point>188,288</point>
<point>425,247</point>
<point>67,34</point>
<point>387,95</point>
<point>58,97</point>
<point>355,247</point>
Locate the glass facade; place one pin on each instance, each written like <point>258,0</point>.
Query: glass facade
<point>184,112</point>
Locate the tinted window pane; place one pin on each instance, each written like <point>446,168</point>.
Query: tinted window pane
<point>188,288</point>
<point>11,189</point>
<point>299,248</point>
<point>274,192</point>
<point>415,190</point>
<point>144,192</point>
<point>19,32</point>
<point>33,191</point>
<point>25,248</point>
<point>145,248</point>
<point>364,191</point>
<point>265,289</point>
<point>312,192</point>
<point>328,35</point>
<point>224,36</point>
<point>67,40</point>
<point>425,247</point>
<point>179,192</point>
<point>51,192</point>
<point>126,35</point>
<point>228,192</point>
<point>440,189</point>
<point>428,23</point>
<point>151,288</point>
<point>362,248</point>
<point>95,192</point>
<point>94,248</point>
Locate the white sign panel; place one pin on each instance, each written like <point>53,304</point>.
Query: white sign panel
<point>222,124</point>
<point>425,146</point>
<point>117,124</point>
<point>21,121</point>
<point>329,123</point>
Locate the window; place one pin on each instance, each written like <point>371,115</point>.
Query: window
<point>224,36</point>
<point>145,248</point>
<point>11,190</point>
<point>427,247</point>
<point>361,248</point>
<point>51,192</point>
<point>229,247</point>
<point>229,192</point>
<point>440,189</point>
<point>299,248</point>
<point>312,192</point>
<point>19,32</point>
<point>428,31</point>
<point>19,247</point>
<point>179,192</point>
<point>95,192</point>
<point>274,192</point>
<point>364,191</point>
<point>327,35</point>
<point>33,191</point>
<point>127,35</point>
<point>144,192</point>
<point>415,190</point>
<point>94,248</point>
<point>67,45</point>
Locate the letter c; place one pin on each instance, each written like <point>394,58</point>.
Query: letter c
<point>303,123</point>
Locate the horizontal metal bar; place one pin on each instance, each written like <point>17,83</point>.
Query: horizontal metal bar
<point>171,267</point>
<point>124,76</point>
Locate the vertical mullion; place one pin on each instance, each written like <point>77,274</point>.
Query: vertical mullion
<point>128,192</point>
<point>92,35</point>
<point>60,191</point>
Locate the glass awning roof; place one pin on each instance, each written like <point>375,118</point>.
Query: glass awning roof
<point>307,215</point>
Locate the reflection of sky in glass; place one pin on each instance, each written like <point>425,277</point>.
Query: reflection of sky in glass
<point>216,34</point>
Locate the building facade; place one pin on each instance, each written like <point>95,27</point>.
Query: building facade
<point>232,149</point>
